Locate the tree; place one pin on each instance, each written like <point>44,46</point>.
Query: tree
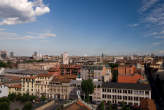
<point>124,107</point>
<point>27,106</point>
<point>4,106</point>
<point>114,75</point>
<point>87,88</point>
<point>110,106</point>
<point>101,106</point>
<point>3,64</point>
<point>11,97</point>
<point>43,98</point>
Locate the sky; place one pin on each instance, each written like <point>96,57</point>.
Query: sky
<point>82,27</point>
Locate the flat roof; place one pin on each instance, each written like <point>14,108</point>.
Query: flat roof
<point>127,86</point>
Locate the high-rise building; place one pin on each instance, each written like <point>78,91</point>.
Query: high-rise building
<point>65,58</point>
<point>3,54</point>
<point>35,54</point>
<point>11,54</point>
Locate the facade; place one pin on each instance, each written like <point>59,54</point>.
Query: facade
<point>48,85</point>
<point>126,70</point>
<point>37,65</point>
<point>129,79</point>
<point>94,72</point>
<point>11,54</point>
<point>65,58</point>
<point>65,69</point>
<point>14,88</point>
<point>122,92</point>
<point>3,54</point>
<point>60,88</point>
<point>42,84</point>
<point>4,91</point>
<point>28,85</point>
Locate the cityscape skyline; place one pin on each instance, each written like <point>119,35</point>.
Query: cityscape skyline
<point>82,27</point>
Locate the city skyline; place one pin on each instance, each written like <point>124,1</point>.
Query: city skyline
<point>82,27</point>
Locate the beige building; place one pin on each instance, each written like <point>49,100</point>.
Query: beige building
<point>37,65</point>
<point>48,85</point>
<point>60,88</point>
<point>42,84</point>
<point>28,85</point>
<point>14,88</point>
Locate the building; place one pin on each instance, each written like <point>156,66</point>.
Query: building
<point>11,54</point>
<point>131,94</point>
<point>3,54</point>
<point>48,85</point>
<point>42,84</point>
<point>14,88</point>
<point>28,85</point>
<point>37,56</point>
<point>95,72</point>
<point>60,88</point>
<point>4,91</point>
<point>126,70</point>
<point>129,74</point>
<point>77,105</point>
<point>37,65</point>
<point>65,69</point>
<point>129,79</point>
<point>65,58</point>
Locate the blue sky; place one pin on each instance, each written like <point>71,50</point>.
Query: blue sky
<point>82,27</point>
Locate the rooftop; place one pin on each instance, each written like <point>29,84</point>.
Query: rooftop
<point>127,86</point>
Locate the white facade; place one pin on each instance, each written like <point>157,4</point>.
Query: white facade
<point>65,58</point>
<point>4,91</point>
<point>129,96</point>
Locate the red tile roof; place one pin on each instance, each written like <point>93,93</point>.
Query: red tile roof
<point>129,79</point>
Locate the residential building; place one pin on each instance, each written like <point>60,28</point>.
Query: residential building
<point>125,92</point>
<point>95,72</point>
<point>14,88</point>
<point>65,69</point>
<point>65,58</point>
<point>4,91</point>
<point>37,65</point>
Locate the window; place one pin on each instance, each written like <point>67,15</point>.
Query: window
<point>103,95</point>
<point>147,92</point>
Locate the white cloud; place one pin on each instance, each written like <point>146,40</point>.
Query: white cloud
<point>133,25</point>
<point>21,11</point>
<point>4,35</point>
<point>156,15</point>
<point>147,4</point>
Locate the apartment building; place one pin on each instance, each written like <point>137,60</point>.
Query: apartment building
<point>37,65</point>
<point>14,88</point>
<point>28,85</point>
<point>60,88</point>
<point>4,90</point>
<point>126,70</point>
<point>125,92</point>
<point>42,82</point>
<point>65,69</point>
<point>95,72</point>
<point>48,85</point>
